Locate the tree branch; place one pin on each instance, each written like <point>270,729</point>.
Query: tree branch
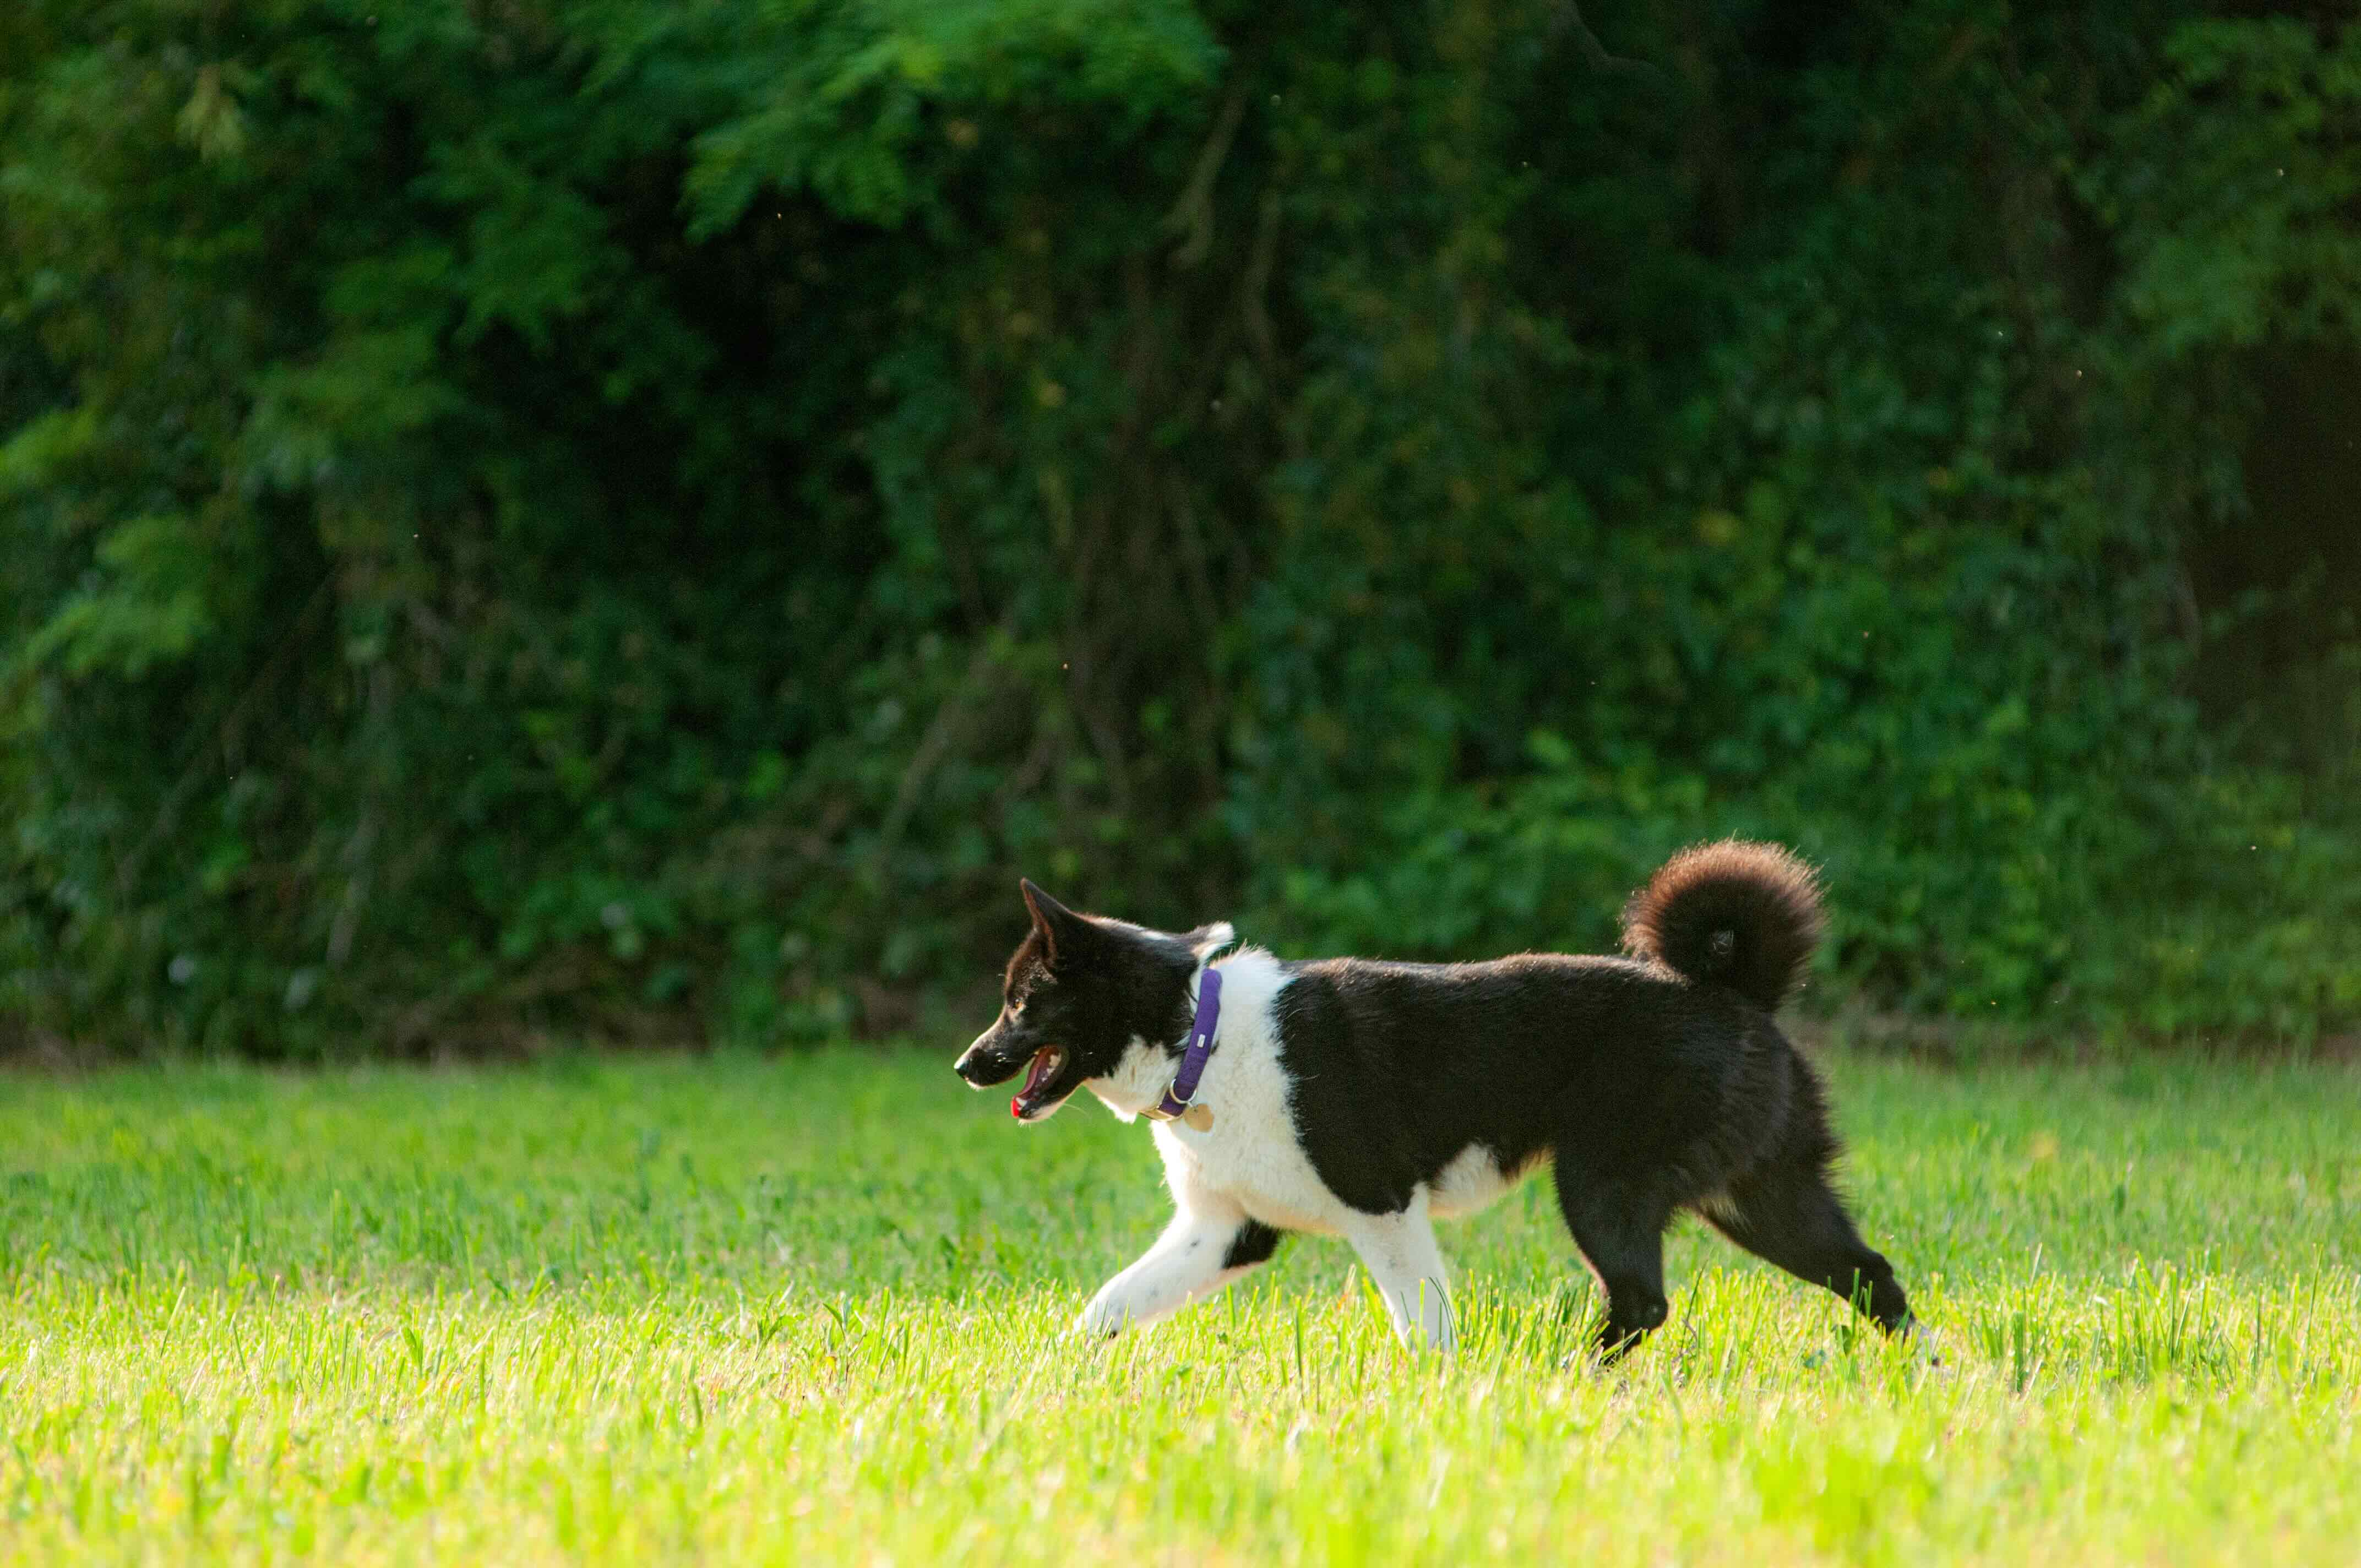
<point>1594,53</point>
<point>1192,214</point>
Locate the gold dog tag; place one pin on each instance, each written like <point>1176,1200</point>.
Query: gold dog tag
<point>1200,1116</point>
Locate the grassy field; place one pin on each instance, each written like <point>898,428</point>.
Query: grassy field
<point>813,1308</point>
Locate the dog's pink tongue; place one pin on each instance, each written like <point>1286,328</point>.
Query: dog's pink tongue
<point>1034,1074</point>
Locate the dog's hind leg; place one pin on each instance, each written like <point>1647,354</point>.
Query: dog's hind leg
<point>1204,1248</point>
<point>1787,1215</point>
<point>1399,1251</point>
<point>1621,1230</point>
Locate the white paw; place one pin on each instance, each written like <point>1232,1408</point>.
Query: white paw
<point>1107,1316</point>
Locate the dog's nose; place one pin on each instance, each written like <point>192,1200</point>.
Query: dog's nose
<point>980,1064</point>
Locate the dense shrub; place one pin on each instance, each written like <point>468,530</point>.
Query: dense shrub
<point>577,512</point>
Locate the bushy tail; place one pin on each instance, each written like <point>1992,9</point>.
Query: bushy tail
<point>1733,914</point>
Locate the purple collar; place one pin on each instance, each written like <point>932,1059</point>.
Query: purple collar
<point>1183,1087</point>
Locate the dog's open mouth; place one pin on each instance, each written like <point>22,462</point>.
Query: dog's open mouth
<point>1044,1088</point>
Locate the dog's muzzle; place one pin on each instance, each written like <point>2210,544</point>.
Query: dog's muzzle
<point>991,1061</point>
<point>996,1057</point>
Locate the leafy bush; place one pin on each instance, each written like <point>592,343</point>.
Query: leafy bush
<point>605,513</point>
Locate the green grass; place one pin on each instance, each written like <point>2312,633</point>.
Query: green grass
<point>812,1309</point>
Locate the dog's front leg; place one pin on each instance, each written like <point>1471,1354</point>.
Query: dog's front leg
<point>1399,1253</point>
<point>1203,1250</point>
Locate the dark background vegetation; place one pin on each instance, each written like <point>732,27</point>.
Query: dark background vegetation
<point>641,517</point>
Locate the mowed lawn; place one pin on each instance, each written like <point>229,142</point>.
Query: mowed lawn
<point>814,1308</point>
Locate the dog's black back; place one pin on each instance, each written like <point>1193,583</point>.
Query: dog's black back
<point>1399,1067</point>
<point>1653,1082</point>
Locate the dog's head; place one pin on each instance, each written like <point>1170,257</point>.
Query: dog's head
<point>1083,992</point>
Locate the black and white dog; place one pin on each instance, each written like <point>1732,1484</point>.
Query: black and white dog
<point>1367,1100</point>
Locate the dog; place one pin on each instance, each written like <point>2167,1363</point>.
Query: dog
<point>1364,1099</point>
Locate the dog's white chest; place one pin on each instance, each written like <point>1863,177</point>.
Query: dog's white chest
<point>1248,1153</point>
<point>1244,1149</point>
<point>1240,1146</point>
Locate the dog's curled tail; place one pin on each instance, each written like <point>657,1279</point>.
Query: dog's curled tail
<point>1732,913</point>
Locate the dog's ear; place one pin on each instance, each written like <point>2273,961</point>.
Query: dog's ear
<point>1210,938</point>
<point>1061,929</point>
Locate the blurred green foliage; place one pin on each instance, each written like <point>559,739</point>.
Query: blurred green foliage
<point>523,514</point>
